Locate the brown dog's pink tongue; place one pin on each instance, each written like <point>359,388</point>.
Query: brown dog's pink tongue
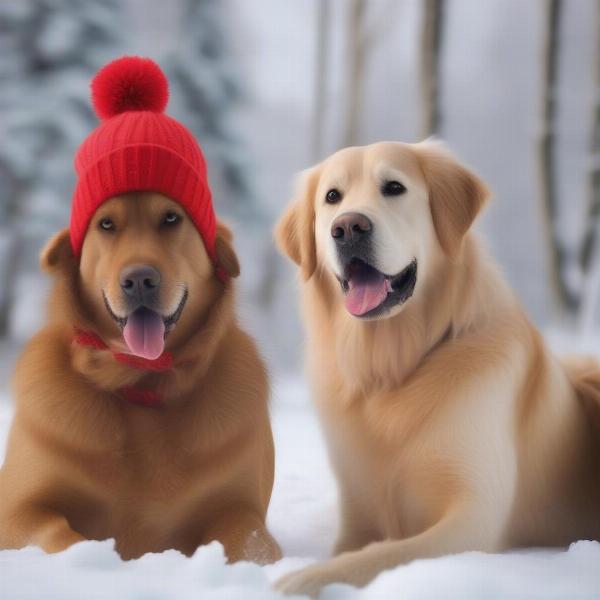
<point>366,294</point>
<point>144,334</point>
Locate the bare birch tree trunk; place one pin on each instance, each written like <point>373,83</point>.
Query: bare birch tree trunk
<point>590,237</point>
<point>564,300</point>
<point>13,247</point>
<point>9,279</point>
<point>321,64</point>
<point>268,288</point>
<point>589,256</point>
<point>357,44</point>
<point>431,40</point>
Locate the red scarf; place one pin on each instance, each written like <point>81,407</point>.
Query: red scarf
<point>140,396</point>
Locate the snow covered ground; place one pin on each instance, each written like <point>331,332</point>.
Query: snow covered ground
<point>303,518</point>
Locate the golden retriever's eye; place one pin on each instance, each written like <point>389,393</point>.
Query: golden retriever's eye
<point>106,224</point>
<point>333,196</point>
<point>171,218</point>
<point>392,188</point>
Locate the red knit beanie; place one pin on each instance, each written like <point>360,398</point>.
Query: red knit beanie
<point>138,148</point>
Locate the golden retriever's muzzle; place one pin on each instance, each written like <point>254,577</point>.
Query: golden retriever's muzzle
<point>352,234</point>
<point>368,292</point>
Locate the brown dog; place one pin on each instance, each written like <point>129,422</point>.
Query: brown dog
<point>450,425</point>
<point>157,454</point>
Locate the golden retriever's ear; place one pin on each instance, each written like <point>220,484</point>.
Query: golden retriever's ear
<point>226,257</point>
<point>456,195</point>
<point>57,252</point>
<point>295,231</point>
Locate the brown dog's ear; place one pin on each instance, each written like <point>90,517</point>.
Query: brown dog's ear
<point>57,252</point>
<point>456,195</point>
<point>226,257</point>
<point>295,231</point>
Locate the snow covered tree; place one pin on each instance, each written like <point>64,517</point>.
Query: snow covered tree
<point>49,49</point>
<point>204,93</point>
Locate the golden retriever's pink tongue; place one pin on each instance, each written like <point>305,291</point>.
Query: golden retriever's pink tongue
<point>366,294</point>
<point>144,334</point>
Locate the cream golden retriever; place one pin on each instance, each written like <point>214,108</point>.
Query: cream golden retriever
<point>450,425</point>
<point>141,406</point>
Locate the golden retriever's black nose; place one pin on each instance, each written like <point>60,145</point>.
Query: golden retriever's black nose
<point>350,228</point>
<point>140,282</point>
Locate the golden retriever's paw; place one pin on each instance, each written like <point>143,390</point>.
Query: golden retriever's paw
<point>310,581</point>
<point>306,582</point>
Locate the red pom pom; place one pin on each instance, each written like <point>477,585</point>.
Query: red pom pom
<point>129,83</point>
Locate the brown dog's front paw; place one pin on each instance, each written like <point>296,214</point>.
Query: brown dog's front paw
<point>261,548</point>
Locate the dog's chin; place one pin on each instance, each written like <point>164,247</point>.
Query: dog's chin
<point>371,294</point>
<point>144,328</point>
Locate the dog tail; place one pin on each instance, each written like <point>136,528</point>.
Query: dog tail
<point>584,375</point>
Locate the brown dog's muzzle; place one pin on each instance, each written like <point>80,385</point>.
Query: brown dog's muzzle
<point>144,323</point>
<point>141,285</point>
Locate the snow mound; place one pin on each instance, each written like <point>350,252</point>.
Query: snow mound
<point>93,570</point>
<point>544,574</point>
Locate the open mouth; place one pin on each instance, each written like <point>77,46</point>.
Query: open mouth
<point>145,330</point>
<point>369,292</point>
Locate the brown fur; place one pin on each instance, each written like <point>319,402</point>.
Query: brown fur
<point>450,425</point>
<point>82,463</point>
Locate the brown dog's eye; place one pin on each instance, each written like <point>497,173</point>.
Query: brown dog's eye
<point>171,218</point>
<point>106,224</point>
<point>392,188</point>
<point>333,196</point>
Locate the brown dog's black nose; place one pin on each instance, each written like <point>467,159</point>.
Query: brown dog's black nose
<point>140,281</point>
<point>350,227</point>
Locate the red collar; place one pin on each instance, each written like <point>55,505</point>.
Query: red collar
<point>139,396</point>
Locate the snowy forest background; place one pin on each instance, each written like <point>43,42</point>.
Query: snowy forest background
<point>270,87</point>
